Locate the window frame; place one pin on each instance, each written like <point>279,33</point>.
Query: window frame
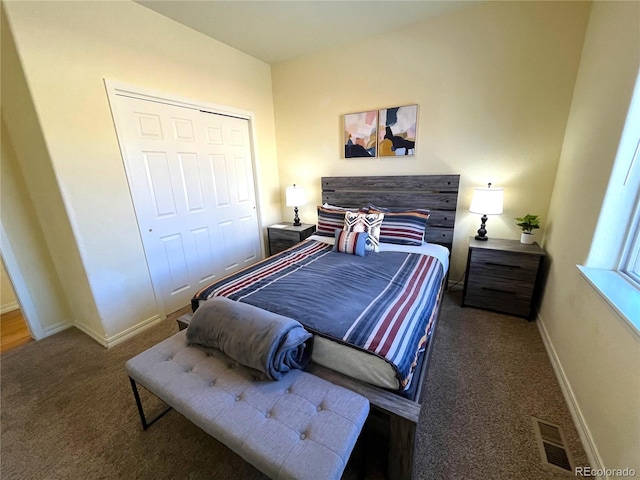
<point>630,261</point>
<point>613,264</point>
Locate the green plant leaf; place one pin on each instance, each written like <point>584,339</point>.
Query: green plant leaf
<point>528,222</point>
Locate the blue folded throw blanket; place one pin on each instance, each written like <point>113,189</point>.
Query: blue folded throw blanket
<point>259,339</point>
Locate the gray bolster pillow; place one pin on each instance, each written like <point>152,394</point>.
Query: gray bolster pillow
<point>259,339</point>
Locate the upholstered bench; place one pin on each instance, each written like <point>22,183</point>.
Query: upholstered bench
<point>300,427</point>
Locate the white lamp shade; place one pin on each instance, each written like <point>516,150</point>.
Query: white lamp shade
<point>487,201</point>
<point>295,196</point>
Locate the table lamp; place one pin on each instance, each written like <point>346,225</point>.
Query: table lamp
<point>295,197</point>
<point>486,201</point>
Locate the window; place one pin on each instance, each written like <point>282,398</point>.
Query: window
<point>613,265</point>
<point>630,264</point>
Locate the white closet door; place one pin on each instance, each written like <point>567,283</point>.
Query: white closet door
<point>191,178</point>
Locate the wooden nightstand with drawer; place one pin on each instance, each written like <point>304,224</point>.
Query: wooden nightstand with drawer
<point>285,235</point>
<point>503,276</point>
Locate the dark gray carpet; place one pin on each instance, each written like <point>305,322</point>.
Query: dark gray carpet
<point>67,411</point>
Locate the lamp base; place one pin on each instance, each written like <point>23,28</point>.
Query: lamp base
<point>296,218</point>
<point>482,231</point>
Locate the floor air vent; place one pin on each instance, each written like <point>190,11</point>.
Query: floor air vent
<point>552,445</point>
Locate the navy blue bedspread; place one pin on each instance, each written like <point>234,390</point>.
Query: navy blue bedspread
<point>383,303</point>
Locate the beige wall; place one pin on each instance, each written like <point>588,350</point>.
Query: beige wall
<point>45,302</point>
<point>493,84</point>
<point>66,50</point>
<point>8,299</point>
<point>596,349</point>
<point>33,165</point>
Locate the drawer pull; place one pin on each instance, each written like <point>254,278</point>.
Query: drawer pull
<point>510,292</point>
<point>494,264</point>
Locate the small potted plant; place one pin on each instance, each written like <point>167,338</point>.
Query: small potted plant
<point>528,224</point>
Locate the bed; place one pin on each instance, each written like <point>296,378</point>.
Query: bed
<point>371,316</point>
<point>374,317</point>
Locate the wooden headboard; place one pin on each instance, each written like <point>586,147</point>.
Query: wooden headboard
<point>437,193</point>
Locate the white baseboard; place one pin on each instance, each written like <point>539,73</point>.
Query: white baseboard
<point>58,327</point>
<point>578,419</point>
<point>130,332</point>
<point>133,331</point>
<point>9,307</point>
<point>96,336</point>
<point>106,342</point>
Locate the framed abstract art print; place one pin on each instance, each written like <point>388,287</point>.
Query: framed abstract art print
<point>360,134</point>
<point>397,131</point>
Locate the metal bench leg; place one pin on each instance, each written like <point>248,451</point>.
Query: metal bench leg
<point>143,419</point>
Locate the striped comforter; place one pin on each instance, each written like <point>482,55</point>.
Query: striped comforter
<point>383,303</point>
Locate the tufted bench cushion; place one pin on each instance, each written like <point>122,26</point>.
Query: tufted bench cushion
<point>298,427</point>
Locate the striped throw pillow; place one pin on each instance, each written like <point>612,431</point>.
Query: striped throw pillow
<point>350,242</point>
<point>403,227</point>
<point>329,218</point>
<point>365,222</point>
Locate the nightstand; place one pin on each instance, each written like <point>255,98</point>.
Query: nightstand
<point>503,276</point>
<point>285,235</point>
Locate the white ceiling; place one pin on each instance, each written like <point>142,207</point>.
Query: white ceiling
<point>279,30</point>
